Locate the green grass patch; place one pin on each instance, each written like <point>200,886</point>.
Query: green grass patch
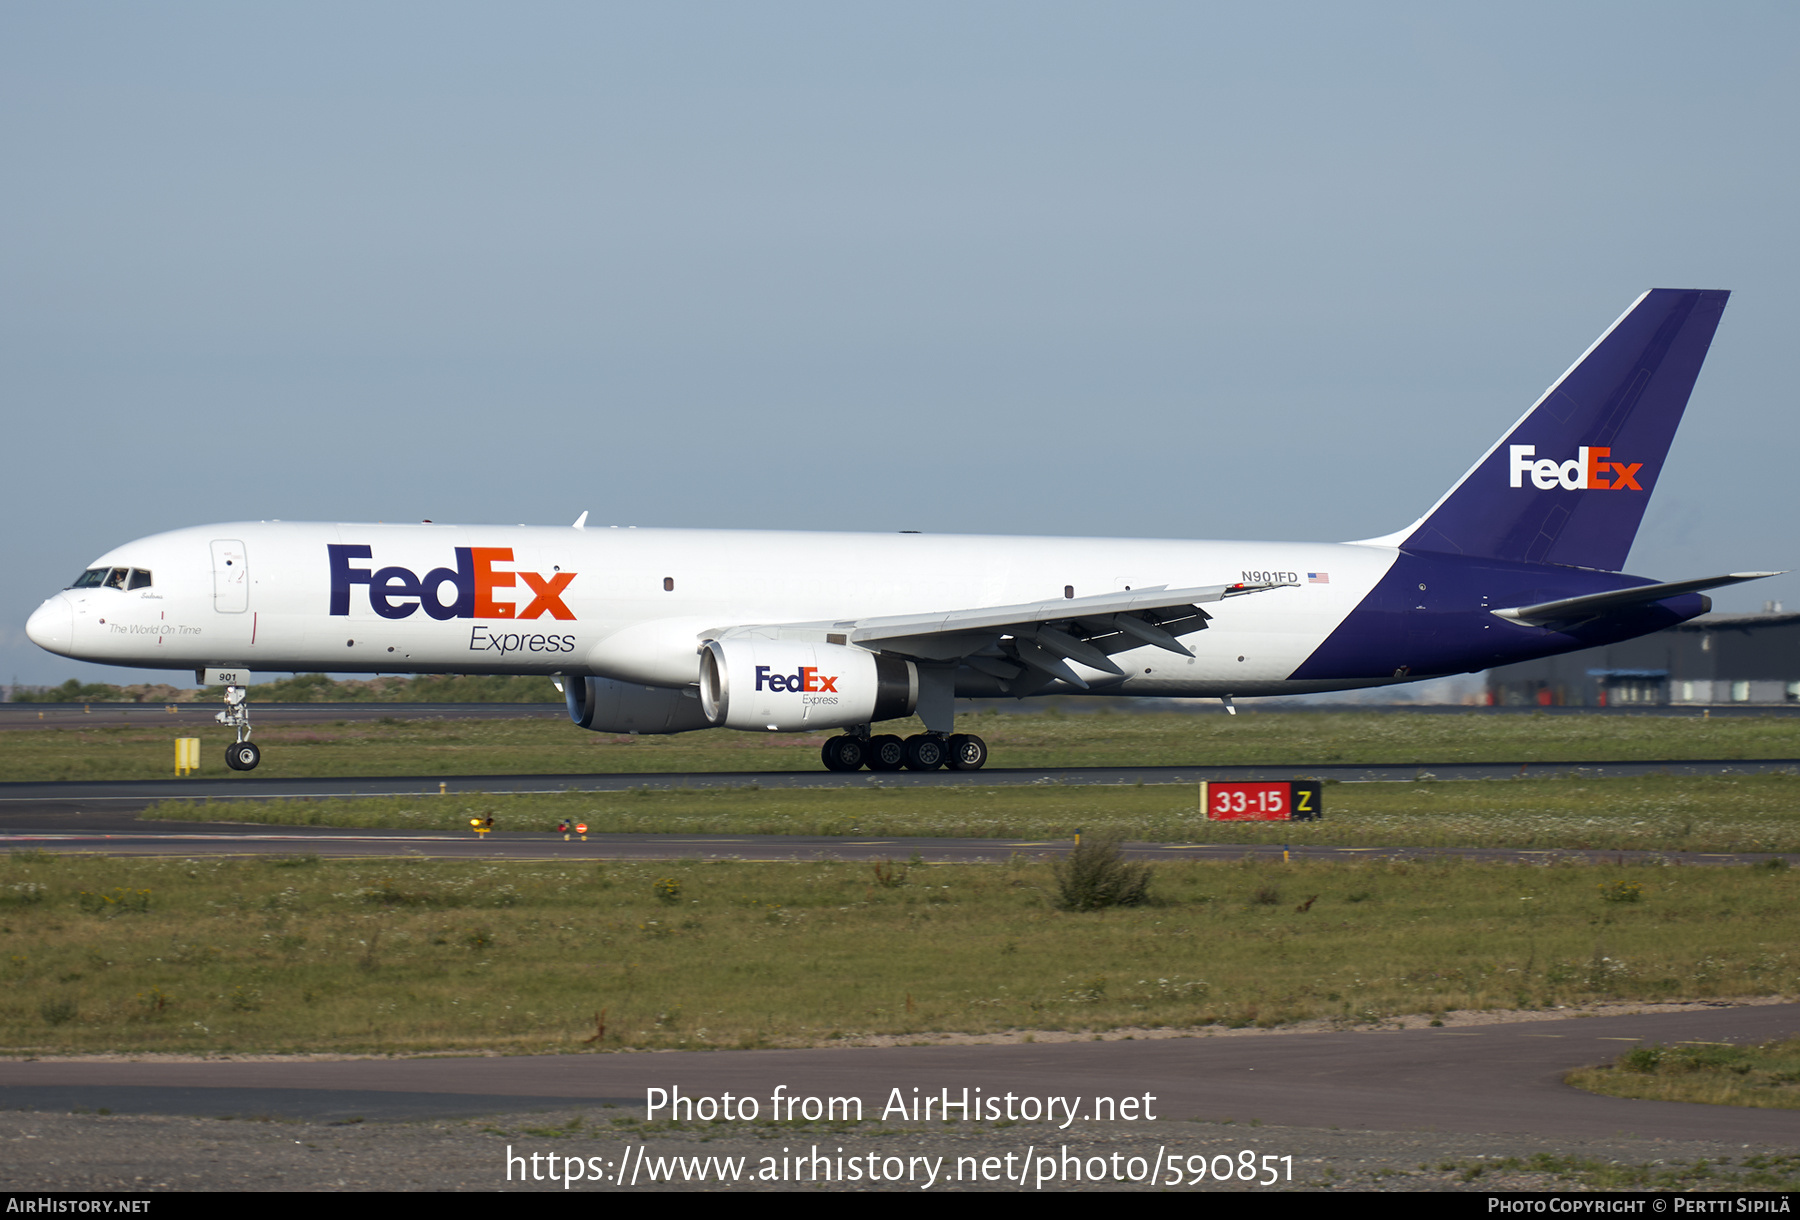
<point>292,954</point>
<point>1757,813</point>
<point>1048,739</point>
<point>1713,1073</point>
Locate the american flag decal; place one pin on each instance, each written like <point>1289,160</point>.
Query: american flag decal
<point>1318,578</point>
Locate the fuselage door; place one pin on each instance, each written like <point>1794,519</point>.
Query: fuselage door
<point>231,577</point>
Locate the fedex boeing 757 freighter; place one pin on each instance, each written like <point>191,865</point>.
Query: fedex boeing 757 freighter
<point>664,631</point>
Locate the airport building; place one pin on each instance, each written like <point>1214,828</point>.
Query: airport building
<point>1711,660</point>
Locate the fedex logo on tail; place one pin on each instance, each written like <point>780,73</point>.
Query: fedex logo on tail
<point>396,592</point>
<point>1591,470</point>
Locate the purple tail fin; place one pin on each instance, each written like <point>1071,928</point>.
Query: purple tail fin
<point>1569,483</point>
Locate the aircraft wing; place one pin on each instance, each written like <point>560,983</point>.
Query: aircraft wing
<point>1033,643</point>
<point>1594,605</point>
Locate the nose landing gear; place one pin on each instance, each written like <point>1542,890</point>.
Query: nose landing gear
<point>240,755</point>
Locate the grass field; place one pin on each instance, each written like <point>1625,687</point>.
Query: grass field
<point>303,954</point>
<point>1052,738</point>
<point>1717,1073</point>
<point>1655,813</point>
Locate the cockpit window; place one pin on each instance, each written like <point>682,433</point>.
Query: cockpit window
<point>123,579</point>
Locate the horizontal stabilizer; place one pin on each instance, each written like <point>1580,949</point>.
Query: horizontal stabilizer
<point>1571,609</point>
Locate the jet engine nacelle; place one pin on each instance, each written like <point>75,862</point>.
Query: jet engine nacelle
<point>606,706</point>
<point>790,686</point>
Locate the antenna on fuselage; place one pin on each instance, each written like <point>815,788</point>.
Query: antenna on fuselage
<point>581,521</point>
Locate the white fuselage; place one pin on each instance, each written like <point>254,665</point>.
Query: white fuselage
<point>632,604</point>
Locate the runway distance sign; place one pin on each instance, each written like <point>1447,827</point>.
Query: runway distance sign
<point>1299,800</point>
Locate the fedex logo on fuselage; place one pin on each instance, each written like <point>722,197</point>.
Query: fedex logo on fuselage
<point>1591,470</point>
<point>395,592</point>
<point>809,680</point>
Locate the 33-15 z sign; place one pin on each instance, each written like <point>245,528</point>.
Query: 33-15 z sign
<point>1299,800</point>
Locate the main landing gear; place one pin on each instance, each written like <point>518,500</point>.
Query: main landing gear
<point>921,752</point>
<point>242,754</point>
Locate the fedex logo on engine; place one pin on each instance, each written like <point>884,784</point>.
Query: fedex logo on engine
<point>395,592</point>
<point>809,680</point>
<point>1591,470</point>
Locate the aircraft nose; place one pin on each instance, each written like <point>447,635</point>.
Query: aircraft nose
<point>52,625</point>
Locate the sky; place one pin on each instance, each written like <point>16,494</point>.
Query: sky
<point>1279,271</point>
